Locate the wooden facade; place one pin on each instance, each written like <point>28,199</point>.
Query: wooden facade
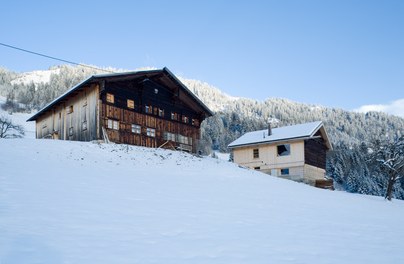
<point>147,108</point>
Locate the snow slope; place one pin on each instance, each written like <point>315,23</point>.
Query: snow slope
<point>36,77</point>
<point>73,202</point>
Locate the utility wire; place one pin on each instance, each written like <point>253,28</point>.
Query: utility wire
<point>54,58</point>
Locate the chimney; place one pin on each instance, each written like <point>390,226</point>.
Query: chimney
<point>271,120</point>
<point>269,129</point>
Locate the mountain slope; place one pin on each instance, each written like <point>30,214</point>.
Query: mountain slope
<point>234,117</point>
<point>73,202</point>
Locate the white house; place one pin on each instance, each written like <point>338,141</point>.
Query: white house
<point>295,152</point>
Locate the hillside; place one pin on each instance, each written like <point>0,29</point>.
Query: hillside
<point>234,116</point>
<point>73,202</point>
<point>349,132</point>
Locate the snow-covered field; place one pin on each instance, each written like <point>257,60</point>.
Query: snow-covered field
<point>19,119</point>
<point>73,202</point>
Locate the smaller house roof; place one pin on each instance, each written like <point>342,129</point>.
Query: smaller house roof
<point>294,132</point>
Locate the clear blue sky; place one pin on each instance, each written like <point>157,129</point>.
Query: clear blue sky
<point>335,53</point>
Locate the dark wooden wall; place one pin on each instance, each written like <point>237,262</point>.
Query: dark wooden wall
<point>144,93</point>
<point>126,118</point>
<point>148,93</point>
<point>315,152</point>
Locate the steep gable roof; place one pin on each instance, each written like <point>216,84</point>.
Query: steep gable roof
<point>165,76</point>
<point>295,132</point>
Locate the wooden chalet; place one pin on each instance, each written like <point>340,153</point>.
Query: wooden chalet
<point>295,152</point>
<point>144,108</point>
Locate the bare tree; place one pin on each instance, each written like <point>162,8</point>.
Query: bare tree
<point>10,130</point>
<point>390,156</point>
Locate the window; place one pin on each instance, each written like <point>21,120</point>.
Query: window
<point>195,122</point>
<point>84,125</point>
<point>183,139</point>
<point>69,109</point>
<point>130,104</point>
<point>116,125</point>
<point>148,109</point>
<point>136,129</point>
<point>113,124</point>
<point>70,131</point>
<point>285,171</point>
<point>161,112</point>
<point>184,119</point>
<point>256,153</point>
<point>257,168</point>
<point>110,98</point>
<point>151,132</point>
<point>283,150</point>
<point>174,116</point>
<point>169,136</point>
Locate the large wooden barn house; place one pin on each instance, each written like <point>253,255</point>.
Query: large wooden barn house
<point>145,108</point>
<point>295,152</point>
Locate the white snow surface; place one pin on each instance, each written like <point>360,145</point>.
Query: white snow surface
<point>19,119</point>
<point>279,133</point>
<point>76,202</point>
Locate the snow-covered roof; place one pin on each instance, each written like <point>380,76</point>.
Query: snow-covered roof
<point>301,131</point>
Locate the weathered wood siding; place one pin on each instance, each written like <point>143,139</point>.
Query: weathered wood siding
<point>73,119</point>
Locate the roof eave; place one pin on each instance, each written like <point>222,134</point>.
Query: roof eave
<point>204,107</point>
<point>55,101</point>
<point>269,142</point>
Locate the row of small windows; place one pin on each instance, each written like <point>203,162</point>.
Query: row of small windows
<point>282,150</point>
<point>136,129</point>
<point>155,110</point>
<point>178,138</point>
<point>151,132</point>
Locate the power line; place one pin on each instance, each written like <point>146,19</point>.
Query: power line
<point>53,58</point>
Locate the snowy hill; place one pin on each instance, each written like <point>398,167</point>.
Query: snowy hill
<point>74,202</point>
<point>35,77</point>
